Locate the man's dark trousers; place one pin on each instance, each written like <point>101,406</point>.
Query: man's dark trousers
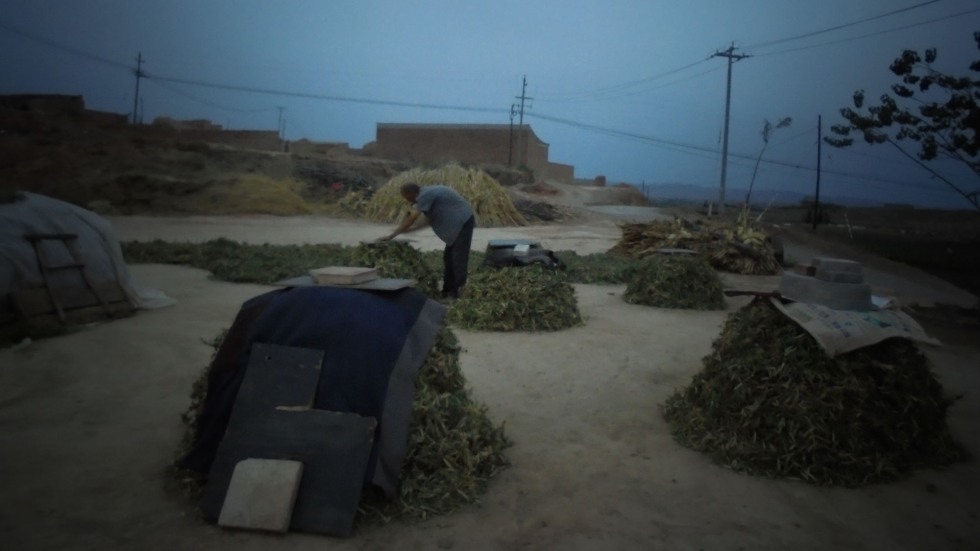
<point>456,260</point>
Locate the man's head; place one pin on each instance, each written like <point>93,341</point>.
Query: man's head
<point>410,192</point>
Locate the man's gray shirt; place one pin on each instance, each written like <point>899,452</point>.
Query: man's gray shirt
<point>445,209</point>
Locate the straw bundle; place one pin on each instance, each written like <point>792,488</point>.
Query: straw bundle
<point>739,248</point>
<point>674,281</point>
<point>527,298</point>
<point>770,401</point>
<point>396,259</point>
<point>491,203</point>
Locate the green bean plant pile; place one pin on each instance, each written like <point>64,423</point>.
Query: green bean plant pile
<point>770,402</point>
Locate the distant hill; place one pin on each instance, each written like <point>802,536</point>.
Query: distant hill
<point>690,193</point>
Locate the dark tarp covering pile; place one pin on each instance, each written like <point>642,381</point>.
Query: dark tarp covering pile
<point>374,344</point>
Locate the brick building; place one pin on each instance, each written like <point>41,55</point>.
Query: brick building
<point>469,143</point>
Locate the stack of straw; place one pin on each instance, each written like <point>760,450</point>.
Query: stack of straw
<point>740,248</point>
<point>491,203</point>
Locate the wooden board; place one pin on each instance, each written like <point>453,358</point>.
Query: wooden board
<point>271,419</point>
<point>343,275</point>
<point>380,284</point>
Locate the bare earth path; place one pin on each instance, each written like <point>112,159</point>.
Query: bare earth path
<point>89,421</point>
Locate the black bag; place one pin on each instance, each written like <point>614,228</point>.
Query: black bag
<point>503,253</point>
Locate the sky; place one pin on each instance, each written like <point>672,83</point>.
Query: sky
<point>629,89</point>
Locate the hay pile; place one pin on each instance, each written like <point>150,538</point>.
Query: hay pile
<point>396,259</point>
<point>528,298</point>
<point>674,281</point>
<point>740,248</point>
<point>491,203</point>
<point>770,402</point>
<point>453,447</point>
<point>540,211</point>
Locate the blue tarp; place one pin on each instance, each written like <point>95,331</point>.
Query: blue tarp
<point>374,344</point>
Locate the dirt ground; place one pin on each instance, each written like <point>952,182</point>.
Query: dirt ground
<point>89,421</point>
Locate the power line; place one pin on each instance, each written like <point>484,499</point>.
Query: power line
<point>666,144</point>
<point>626,93</point>
<point>69,49</point>
<point>308,95</point>
<point>838,27</point>
<point>618,89</point>
<point>209,103</point>
<point>869,35</point>
<point>701,151</point>
<point>622,89</point>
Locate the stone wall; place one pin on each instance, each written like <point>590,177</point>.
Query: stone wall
<point>436,144</point>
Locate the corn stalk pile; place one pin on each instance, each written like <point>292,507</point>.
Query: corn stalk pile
<point>355,201</point>
<point>527,298</point>
<point>399,260</point>
<point>770,402</point>
<point>740,248</point>
<point>453,447</point>
<point>674,281</point>
<point>491,203</point>
<point>539,211</point>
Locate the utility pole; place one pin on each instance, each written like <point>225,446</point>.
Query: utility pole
<point>280,130</point>
<point>523,133</point>
<point>139,74</point>
<point>523,97</point>
<point>816,196</point>
<point>732,57</point>
<point>510,142</point>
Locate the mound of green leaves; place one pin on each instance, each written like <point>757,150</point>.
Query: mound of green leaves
<point>770,402</point>
<point>239,262</point>
<point>527,298</point>
<point>396,259</point>
<point>453,447</point>
<point>596,268</point>
<point>674,281</point>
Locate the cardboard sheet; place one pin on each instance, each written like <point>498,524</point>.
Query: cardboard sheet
<point>840,331</point>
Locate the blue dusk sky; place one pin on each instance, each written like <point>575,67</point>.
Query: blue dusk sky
<point>628,89</point>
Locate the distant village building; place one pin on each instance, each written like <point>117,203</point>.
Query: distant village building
<point>469,144</point>
<point>53,106</point>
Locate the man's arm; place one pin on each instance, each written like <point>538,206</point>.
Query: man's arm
<point>407,225</point>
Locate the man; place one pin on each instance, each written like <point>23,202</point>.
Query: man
<point>451,219</point>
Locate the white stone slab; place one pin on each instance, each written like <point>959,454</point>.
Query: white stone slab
<point>261,495</point>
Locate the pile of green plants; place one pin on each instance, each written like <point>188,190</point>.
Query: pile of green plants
<point>530,298</point>
<point>674,281</point>
<point>454,449</point>
<point>238,262</point>
<point>400,260</point>
<point>770,402</point>
<point>596,268</point>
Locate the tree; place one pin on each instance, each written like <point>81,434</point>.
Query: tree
<point>946,126</point>
<point>767,130</point>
